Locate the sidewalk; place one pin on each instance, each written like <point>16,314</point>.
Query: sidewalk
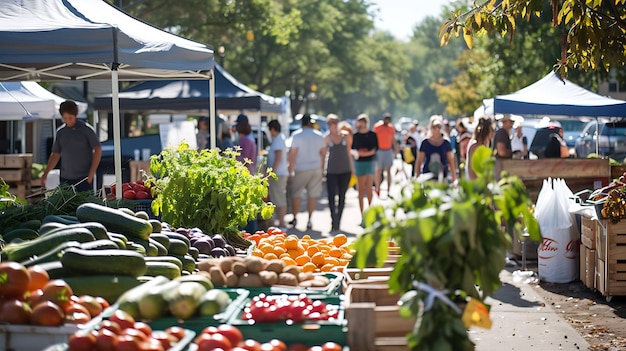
<point>521,319</point>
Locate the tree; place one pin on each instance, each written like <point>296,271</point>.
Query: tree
<point>595,30</point>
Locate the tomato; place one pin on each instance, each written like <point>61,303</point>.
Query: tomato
<point>278,344</point>
<point>14,280</point>
<point>231,333</point>
<point>113,187</point>
<point>103,302</point>
<point>81,342</point>
<point>314,348</point>
<point>112,326</point>
<point>164,338</point>
<point>59,292</point>
<point>76,307</point>
<point>123,319</point>
<point>151,345</point>
<point>126,186</point>
<point>209,342</point>
<point>140,181</point>
<point>176,332</point>
<point>142,195</point>
<point>34,296</point>
<point>143,327</point>
<point>106,340</point>
<point>331,346</point>
<point>14,311</point>
<point>127,343</point>
<point>91,304</point>
<point>250,345</point>
<point>77,318</point>
<point>138,334</point>
<point>38,278</point>
<point>130,194</point>
<point>138,187</point>
<point>48,314</point>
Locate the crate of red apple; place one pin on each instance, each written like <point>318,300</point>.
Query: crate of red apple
<point>132,191</point>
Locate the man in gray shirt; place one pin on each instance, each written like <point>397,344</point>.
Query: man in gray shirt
<point>78,148</point>
<point>306,167</point>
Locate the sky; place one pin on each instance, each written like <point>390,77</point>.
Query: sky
<point>400,16</point>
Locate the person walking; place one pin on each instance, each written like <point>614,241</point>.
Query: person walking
<point>202,136</point>
<point>339,168</point>
<point>277,159</point>
<point>77,147</point>
<point>387,149</point>
<point>248,153</point>
<point>365,145</point>
<point>435,154</point>
<point>463,137</point>
<point>482,136</point>
<point>414,140</point>
<point>306,167</point>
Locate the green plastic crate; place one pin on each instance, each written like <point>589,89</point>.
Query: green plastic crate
<point>310,333</point>
<point>197,324</point>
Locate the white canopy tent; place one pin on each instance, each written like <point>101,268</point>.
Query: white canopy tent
<point>92,39</point>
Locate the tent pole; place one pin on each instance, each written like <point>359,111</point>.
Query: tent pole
<point>597,135</point>
<point>212,125</point>
<point>117,152</point>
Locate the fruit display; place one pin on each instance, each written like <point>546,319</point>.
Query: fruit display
<point>295,308</point>
<point>311,255</point>
<point>133,191</point>
<point>256,272</point>
<point>614,207</point>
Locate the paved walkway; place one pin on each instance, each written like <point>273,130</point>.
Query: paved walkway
<point>521,319</point>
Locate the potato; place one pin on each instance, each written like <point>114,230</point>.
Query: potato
<point>255,264</point>
<point>287,279</point>
<point>239,268</point>
<point>322,279</point>
<point>293,270</point>
<point>268,278</point>
<point>250,280</point>
<point>226,264</point>
<point>304,276</point>
<point>232,280</point>
<point>276,266</point>
<point>217,276</point>
<point>206,264</point>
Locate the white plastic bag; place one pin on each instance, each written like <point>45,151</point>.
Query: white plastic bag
<point>557,252</point>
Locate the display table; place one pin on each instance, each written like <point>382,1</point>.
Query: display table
<point>136,166</point>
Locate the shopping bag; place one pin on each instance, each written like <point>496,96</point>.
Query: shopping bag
<point>408,155</point>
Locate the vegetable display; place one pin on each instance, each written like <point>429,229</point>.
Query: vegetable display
<point>208,190</point>
<point>452,247</point>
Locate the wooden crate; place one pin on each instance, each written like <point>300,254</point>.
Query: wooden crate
<point>581,269</point>
<point>611,259</point>
<point>590,268</point>
<point>588,230</point>
<point>15,170</point>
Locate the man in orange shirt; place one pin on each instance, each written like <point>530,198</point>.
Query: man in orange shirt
<point>387,149</point>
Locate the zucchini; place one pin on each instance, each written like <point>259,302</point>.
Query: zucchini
<point>52,255</point>
<point>121,244</point>
<point>129,300</point>
<point>50,226</point>
<point>184,300</point>
<point>161,250</point>
<point>213,301</point>
<point>208,284</point>
<point>107,262</point>
<point>127,211</point>
<point>115,220</point>
<point>23,251</point>
<point>97,229</point>
<point>99,245</point>
<point>110,287</point>
<point>33,224</point>
<point>177,247</point>
<point>151,250</point>
<point>156,225</point>
<point>162,239</point>
<point>133,246</point>
<point>118,236</point>
<point>173,235</point>
<point>170,259</point>
<point>189,264</point>
<point>194,252</point>
<point>167,269</point>
<point>56,270</point>
<point>143,215</point>
<point>59,219</point>
<point>152,304</point>
<point>20,233</point>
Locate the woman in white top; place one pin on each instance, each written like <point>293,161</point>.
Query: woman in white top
<point>519,143</point>
<point>482,136</point>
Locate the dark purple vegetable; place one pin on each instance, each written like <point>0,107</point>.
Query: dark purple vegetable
<point>218,252</point>
<point>195,230</point>
<point>203,246</point>
<point>183,231</point>
<point>230,249</point>
<point>219,240</point>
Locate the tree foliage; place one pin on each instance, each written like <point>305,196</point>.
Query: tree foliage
<point>594,30</point>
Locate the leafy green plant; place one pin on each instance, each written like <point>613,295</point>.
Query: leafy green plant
<point>209,189</point>
<point>451,239</point>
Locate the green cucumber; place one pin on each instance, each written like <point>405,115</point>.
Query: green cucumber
<point>52,255</point>
<point>33,224</point>
<point>59,219</point>
<point>127,210</point>
<point>118,236</point>
<point>177,247</point>
<point>162,239</point>
<point>115,220</point>
<point>104,262</point>
<point>161,250</point>
<point>152,304</point>
<point>208,284</point>
<point>110,287</point>
<point>23,251</point>
<point>156,225</point>
<point>56,270</point>
<point>97,229</point>
<point>173,235</point>
<point>170,259</point>
<point>143,215</point>
<point>213,302</point>
<point>194,252</point>
<point>189,264</point>
<point>128,301</point>
<point>121,244</point>
<point>151,250</point>
<point>20,233</point>
<point>50,226</point>
<point>168,269</point>
<point>184,300</point>
<point>99,245</point>
<point>133,246</point>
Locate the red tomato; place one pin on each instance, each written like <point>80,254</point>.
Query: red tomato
<point>123,319</point>
<point>138,334</point>
<point>81,342</point>
<point>91,304</point>
<point>113,187</point>
<point>164,338</point>
<point>331,346</point>
<point>34,297</point>
<point>14,311</point>
<point>139,187</point>
<point>127,343</point>
<point>140,181</point>
<point>279,344</point>
<point>231,333</point>
<point>142,195</point>
<point>209,342</point>
<point>143,327</point>
<point>47,314</point>
<point>250,345</point>
<point>130,194</point>
<point>59,292</point>
<point>38,278</point>
<point>126,186</point>
<point>176,332</point>
<point>297,347</point>
<point>14,280</point>
<point>112,326</point>
<point>151,345</point>
<point>77,318</point>
<point>76,307</point>
<point>106,340</point>
<point>103,302</point>
<point>314,348</point>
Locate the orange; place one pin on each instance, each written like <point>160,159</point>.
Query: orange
<point>284,255</point>
<point>257,253</point>
<point>270,256</point>
<point>340,239</point>
<point>289,261</point>
<point>346,256</point>
<point>291,242</point>
<point>308,267</point>
<point>335,252</point>
<point>312,250</point>
<point>327,267</point>
<point>300,249</point>
<point>318,259</point>
<point>306,237</point>
<point>279,250</point>
<point>302,259</point>
<point>331,260</point>
<point>293,253</point>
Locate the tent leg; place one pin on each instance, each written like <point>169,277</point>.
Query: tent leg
<point>212,125</point>
<point>117,152</point>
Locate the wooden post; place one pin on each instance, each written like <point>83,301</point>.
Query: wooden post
<point>361,326</point>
